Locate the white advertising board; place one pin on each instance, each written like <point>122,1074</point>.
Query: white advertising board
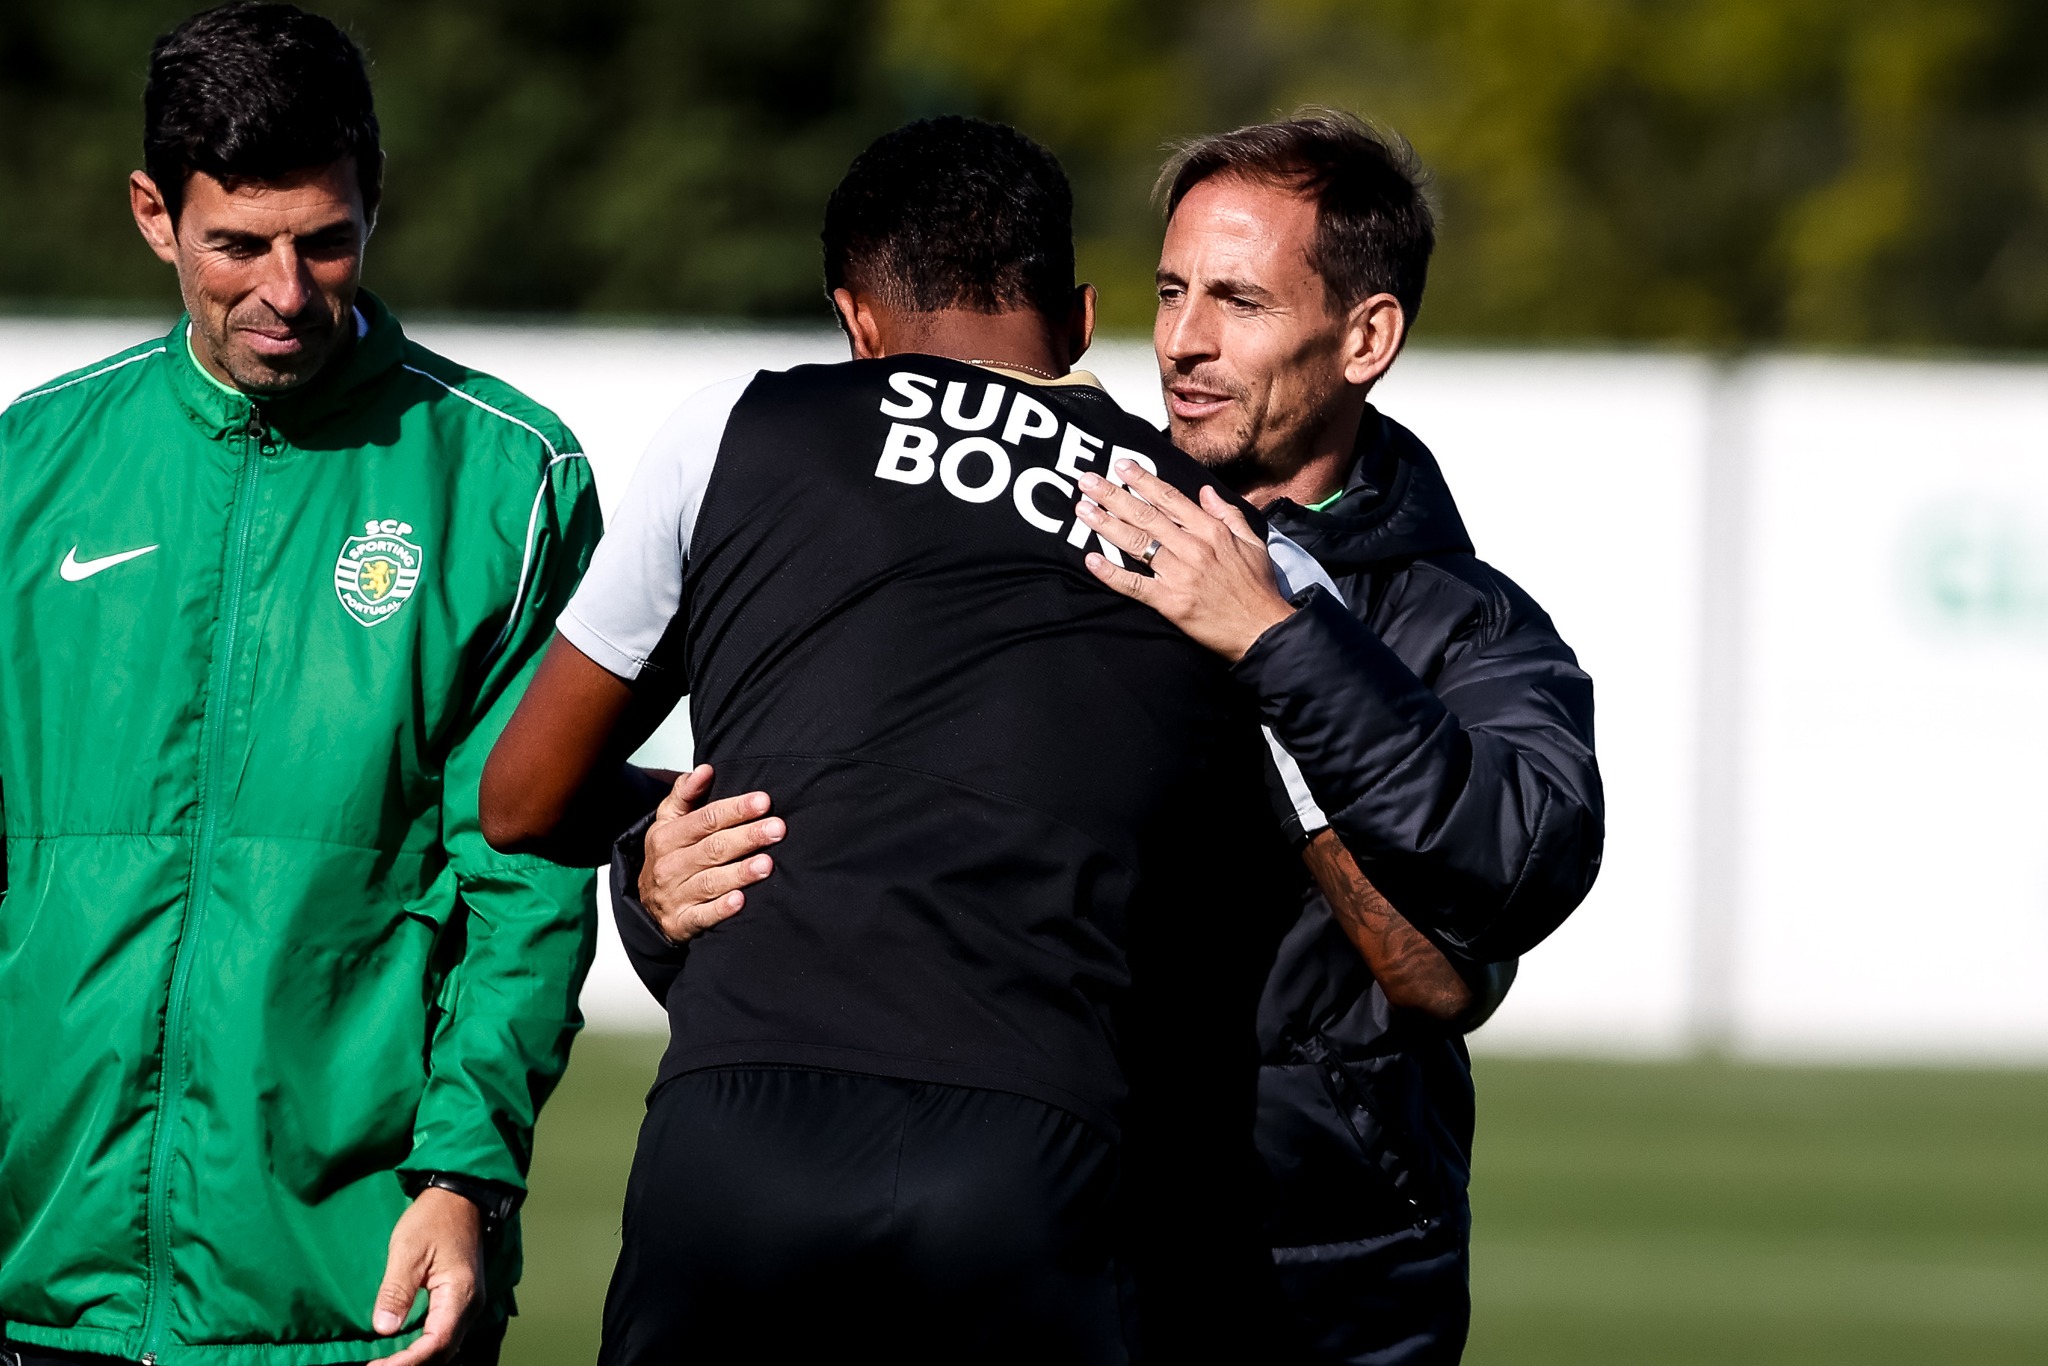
<point>1825,815</point>
<point>1580,478</point>
<point>1895,762</point>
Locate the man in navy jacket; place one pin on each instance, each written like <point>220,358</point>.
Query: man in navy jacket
<point>1434,714</point>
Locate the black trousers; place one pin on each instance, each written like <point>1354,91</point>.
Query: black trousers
<point>784,1215</point>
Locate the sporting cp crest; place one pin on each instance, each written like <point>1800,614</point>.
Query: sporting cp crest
<point>377,571</point>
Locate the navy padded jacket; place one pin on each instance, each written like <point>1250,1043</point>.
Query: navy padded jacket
<point>1447,732</point>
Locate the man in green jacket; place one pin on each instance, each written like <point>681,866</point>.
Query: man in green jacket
<point>275,1022</point>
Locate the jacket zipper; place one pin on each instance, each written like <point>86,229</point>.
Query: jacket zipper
<point>212,742</point>
<point>1356,1115</point>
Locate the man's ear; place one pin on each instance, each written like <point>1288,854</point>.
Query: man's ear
<point>1081,323</point>
<point>863,328</point>
<point>153,217</point>
<point>370,210</point>
<point>1373,334</point>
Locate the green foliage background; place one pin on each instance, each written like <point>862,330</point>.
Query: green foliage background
<point>1868,173</point>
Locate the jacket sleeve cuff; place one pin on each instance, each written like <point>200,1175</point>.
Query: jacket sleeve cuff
<point>1489,983</point>
<point>1337,699</point>
<point>495,1200</point>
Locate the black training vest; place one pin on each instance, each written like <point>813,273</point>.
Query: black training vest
<point>1029,837</point>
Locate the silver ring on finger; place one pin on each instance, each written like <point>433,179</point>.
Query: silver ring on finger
<point>1150,552</point>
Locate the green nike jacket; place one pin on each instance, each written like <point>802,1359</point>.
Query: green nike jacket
<point>257,964</point>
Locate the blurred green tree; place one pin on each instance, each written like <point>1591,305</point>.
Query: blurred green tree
<point>542,156</point>
<point>1709,172</point>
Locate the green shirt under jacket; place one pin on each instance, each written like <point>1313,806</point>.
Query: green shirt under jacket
<point>256,960</point>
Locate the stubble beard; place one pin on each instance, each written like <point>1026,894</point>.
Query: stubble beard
<point>1244,458</point>
<point>257,375</point>
<point>1230,456</point>
<point>1228,452</point>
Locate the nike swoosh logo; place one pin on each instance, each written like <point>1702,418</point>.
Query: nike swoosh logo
<point>73,569</point>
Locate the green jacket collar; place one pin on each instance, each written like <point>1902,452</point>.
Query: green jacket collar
<point>219,410</point>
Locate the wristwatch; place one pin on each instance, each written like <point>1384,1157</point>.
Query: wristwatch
<point>495,1200</point>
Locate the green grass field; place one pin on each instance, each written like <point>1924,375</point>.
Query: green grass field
<point>1627,1213</point>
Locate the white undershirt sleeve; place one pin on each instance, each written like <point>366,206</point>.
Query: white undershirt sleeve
<point>634,586</point>
<point>1297,569</point>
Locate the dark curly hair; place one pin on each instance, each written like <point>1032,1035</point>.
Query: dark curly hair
<point>954,212</point>
<point>253,92</point>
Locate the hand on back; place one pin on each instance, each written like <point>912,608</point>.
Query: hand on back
<point>699,855</point>
<point>1211,574</point>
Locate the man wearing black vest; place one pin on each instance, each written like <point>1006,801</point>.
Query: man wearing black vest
<point>1450,739</point>
<point>972,1078</point>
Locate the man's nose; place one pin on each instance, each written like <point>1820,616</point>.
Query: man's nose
<point>288,282</point>
<point>1191,334</point>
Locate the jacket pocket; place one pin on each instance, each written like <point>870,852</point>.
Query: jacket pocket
<point>1371,1104</point>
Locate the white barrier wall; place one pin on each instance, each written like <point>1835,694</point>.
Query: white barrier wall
<point>1814,600</point>
<point>1582,479</point>
<point>1894,764</point>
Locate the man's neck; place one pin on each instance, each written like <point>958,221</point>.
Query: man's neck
<point>1016,340</point>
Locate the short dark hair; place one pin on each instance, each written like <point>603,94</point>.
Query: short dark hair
<point>954,212</point>
<point>1374,226</point>
<point>253,92</point>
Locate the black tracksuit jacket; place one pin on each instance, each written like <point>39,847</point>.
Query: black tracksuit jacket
<point>1450,742</point>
